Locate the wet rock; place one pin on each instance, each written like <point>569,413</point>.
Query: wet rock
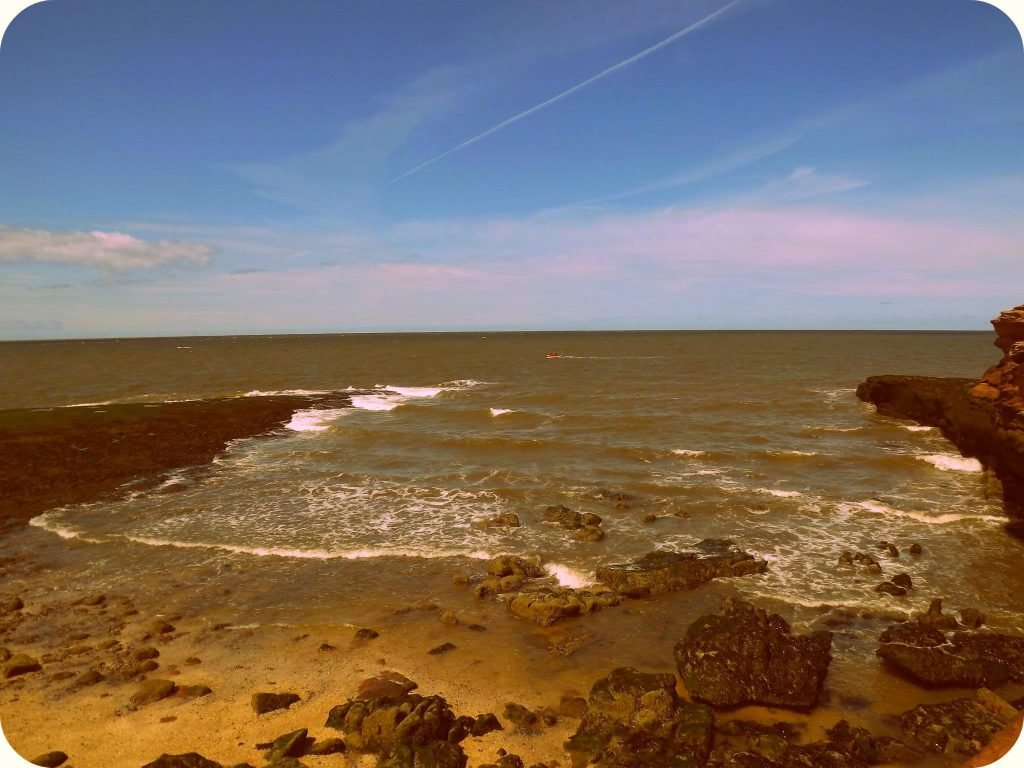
<point>935,618</point>
<point>65,674</point>
<point>476,627</point>
<point>767,743</point>
<point>572,706</point>
<point>607,495</point>
<point>366,634</point>
<point>965,660</point>
<point>448,617</point>
<point>996,704</point>
<point>903,580</point>
<point>822,754</point>
<point>521,717</point>
<point>890,588</point>
<point>589,533</point>
<point>160,627</point>
<point>912,633</point>
<point>972,618</point>
<point>150,691</point>
<point>635,719</point>
<point>293,744</point>
<point>269,702</point>
<point>386,685</point>
<point>20,664</point>
<point>961,726</point>
<point>195,691</point>
<point>50,759</point>
<point>589,518</point>
<point>506,761</point>
<point>332,746</point>
<point>441,649</point>
<point>916,549</point>
<point>149,665</point>
<point>746,656</point>
<point>889,548</point>
<point>849,559</point>
<point>563,516</point>
<point>503,520</point>
<point>547,605</point>
<point>662,571</point>
<point>187,760</point>
<point>511,565</point>
<point>484,724</point>
<point>650,517</point>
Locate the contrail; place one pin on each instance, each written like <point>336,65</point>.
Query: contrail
<point>568,92</point>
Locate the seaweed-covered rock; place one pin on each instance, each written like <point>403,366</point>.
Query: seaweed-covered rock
<point>737,738</point>
<point>547,605</point>
<point>965,660</point>
<point>662,571</point>
<point>746,656</point>
<point>635,720</point>
<point>962,726</point>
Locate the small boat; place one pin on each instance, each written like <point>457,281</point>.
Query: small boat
<point>553,354</point>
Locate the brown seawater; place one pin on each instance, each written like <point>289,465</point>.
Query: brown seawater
<point>348,514</point>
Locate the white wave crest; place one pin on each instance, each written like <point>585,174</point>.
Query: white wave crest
<point>568,577</point>
<point>376,402</point>
<point>414,391</point>
<point>916,428</point>
<point>688,452</point>
<point>880,508</point>
<point>950,463</point>
<point>314,419</point>
<point>279,392</point>
<point>501,411</point>
<point>778,493</point>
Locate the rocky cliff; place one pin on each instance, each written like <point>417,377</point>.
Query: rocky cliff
<point>983,418</point>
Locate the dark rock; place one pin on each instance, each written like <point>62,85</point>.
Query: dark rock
<point>65,674</point>
<point>448,617</point>
<point>20,664</point>
<point>511,565</point>
<point>967,660</point>
<point>563,516</point>
<point>889,548</point>
<point>746,656</point>
<point>521,717</point>
<point>822,754</point>
<point>191,661</point>
<point>935,618</point>
<point>93,599</point>
<point>50,759</point>
<point>662,571</point>
<point>635,720</point>
<point>442,648</point>
<point>962,726</point>
<point>650,517</point>
<point>854,741</point>
<point>506,761</point>
<point>147,666</point>
<point>484,724</point>
<point>366,634</point>
<point>293,744</point>
<point>153,690</point>
<point>4,654</point>
<point>890,588</point>
<point>476,627</point>
<point>145,652</point>
<point>743,737</point>
<point>268,702</point>
<point>902,580</point>
<point>195,691</point>
<point>916,549</point>
<point>850,559</point>
<point>187,760</point>
<point>547,605</point>
<point>332,746</point>
<point>572,706</point>
<point>972,618</point>
<point>386,685</point>
<point>912,633</point>
<point>160,627</point>
<point>604,493</point>
<point>589,518</point>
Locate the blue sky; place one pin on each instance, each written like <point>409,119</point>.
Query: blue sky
<point>221,167</point>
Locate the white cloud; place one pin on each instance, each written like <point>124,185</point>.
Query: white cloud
<point>100,250</point>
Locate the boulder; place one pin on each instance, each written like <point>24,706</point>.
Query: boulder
<point>589,533</point>
<point>961,726</point>
<point>152,690</point>
<point>512,565</point>
<point>636,720</point>
<point>332,746</point>
<point>20,664</point>
<point>484,724</point>
<point>521,717</point>
<point>662,571</point>
<point>746,656</point>
<point>187,760</point>
<point>890,588</point>
<point>442,649</point>
<point>268,702</point>
<point>503,520</point>
<point>563,516</point>
<point>366,634</point>
<point>547,605</point>
<point>293,744</point>
<point>11,604</point>
<point>386,685</point>
<point>50,759</point>
<point>964,660</point>
<point>972,618</point>
<point>935,618</point>
<point>849,559</point>
<point>903,580</point>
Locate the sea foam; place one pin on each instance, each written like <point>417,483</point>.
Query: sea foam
<point>950,463</point>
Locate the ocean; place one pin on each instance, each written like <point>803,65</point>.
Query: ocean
<point>344,515</point>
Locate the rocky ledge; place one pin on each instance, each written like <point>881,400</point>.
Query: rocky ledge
<point>983,418</point>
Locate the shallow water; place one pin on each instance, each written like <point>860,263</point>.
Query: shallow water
<point>348,513</point>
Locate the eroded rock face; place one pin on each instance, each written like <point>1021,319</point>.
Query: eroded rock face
<point>662,571</point>
<point>747,656</point>
<point>635,720</point>
<point>984,419</point>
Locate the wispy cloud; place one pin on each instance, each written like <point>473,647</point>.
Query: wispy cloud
<point>570,91</point>
<point>99,250</point>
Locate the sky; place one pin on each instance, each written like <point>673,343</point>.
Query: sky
<point>231,166</point>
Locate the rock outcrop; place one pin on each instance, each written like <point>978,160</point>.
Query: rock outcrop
<point>662,571</point>
<point>747,656</point>
<point>961,726</point>
<point>983,418</point>
<point>636,720</point>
